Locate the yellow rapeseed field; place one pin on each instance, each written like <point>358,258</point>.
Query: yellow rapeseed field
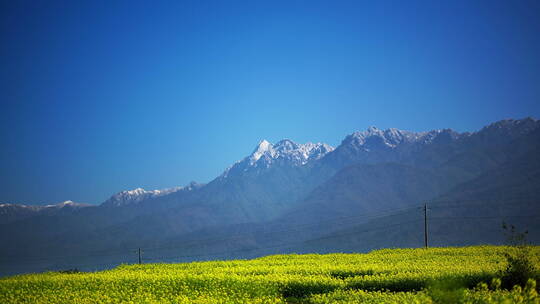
<point>382,276</point>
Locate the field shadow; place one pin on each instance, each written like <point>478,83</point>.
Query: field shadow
<point>407,284</point>
<point>299,292</point>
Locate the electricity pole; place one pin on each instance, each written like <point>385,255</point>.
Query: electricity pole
<point>425,227</point>
<point>139,256</point>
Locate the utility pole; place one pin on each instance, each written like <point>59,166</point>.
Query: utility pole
<point>139,256</point>
<point>425,227</point>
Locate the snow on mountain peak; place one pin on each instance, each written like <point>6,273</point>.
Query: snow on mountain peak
<point>265,154</point>
<point>36,208</point>
<point>390,138</point>
<point>288,150</point>
<point>69,203</point>
<point>62,204</point>
<point>286,145</point>
<point>373,130</point>
<point>138,195</point>
<point>264,147</point>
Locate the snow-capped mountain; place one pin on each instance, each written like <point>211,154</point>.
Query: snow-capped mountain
<point>4,208</point>
<point>391,138</point>
<point>288,184</point>
<point>138,195</point>
<point>296,154</point>
<point>70,204</point>
<point>13,212</point>
<point>284,152</point>
<point>391,145</point>
<point>42,207</point>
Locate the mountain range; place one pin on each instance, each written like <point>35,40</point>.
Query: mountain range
<point>366,193</point>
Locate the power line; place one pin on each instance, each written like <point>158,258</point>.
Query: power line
<point>486,217</point>
<point>209,241</point>
<point>469,202</point>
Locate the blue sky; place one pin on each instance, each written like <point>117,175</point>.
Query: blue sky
<point>103,96</point>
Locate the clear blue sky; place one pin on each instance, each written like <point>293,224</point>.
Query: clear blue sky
<point>103,96</point>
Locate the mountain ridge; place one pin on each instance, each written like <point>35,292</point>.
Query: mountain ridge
<point>281,186</point>
<point>300,154</point>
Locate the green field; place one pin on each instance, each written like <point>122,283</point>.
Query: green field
<point>435,275</point>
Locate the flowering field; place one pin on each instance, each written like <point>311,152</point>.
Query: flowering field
<point>383,276</point>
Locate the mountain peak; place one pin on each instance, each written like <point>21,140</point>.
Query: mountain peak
<point>286,142</point>
<point>263,145</point>
<point>65,203</point>
<point>137,195</point>
<point>286,146</point>
<point>68,203</point>
<point>284,151</point>
<point>373,130</point>
<point>389,138</point>
<point>288,151</point>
